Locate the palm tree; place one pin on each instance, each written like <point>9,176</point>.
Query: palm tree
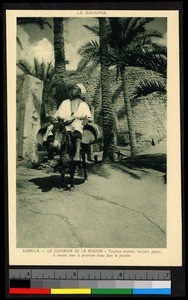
<point>57,82</point>
<point>126,36</point>
<point>59,50</point>
<point>151,59</point>
<point>60,62</point>
<point>107,112</point>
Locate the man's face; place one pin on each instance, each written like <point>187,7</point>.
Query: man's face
<point>76,92</point>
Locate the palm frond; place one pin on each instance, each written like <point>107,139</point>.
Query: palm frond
<point>157,49</point>
<point>129,44</point>
<point>115,55</point>
<point>92,67</point>
<point>117,30</point>
<point>93,29</point>
<point>90,52</point>
<point>132,23</point>
<point>146,38</point>
<point>121,113</point>
<point>91,48</point>
<point>19,43</point>
<point>118,59</point>
<point>48,70</point>
<point>25,67</point>
<point>156,63</point>
<point>137,57</point>
<point>116,94</point>
<point>139,28</point>
<point>143,21</point>
<point>147,87</point>
<point>128,30</point>
<point>37,68</point>
<point>42,70</point>
<point>82,64</point>
<point>40,22</point>
<point>125,30</point>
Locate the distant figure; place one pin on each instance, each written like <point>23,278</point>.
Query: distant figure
<point>153,142</point>
<point>75,113</point>
<point>96,158</point>
<point>120,155</point>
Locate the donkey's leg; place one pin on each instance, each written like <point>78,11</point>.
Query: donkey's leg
<point>72,172</point>
<point>84,166</point>
<point>63,185</point>
<point>63,172</point>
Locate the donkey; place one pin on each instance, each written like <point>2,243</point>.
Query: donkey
<point>65,145</point>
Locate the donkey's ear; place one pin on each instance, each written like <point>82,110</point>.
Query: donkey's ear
<point>62,121</point>
<point>52,119</point>
<point>59,119</point>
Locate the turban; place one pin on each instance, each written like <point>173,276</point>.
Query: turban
<point>82,88</point>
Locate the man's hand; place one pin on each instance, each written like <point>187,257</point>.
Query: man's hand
<point>56,120</point>
<point>53,119</point>
<point>69,121</point>
<point>85,120</point>
<point>79,118</point>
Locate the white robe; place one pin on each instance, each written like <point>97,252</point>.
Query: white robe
<point>76,108</point>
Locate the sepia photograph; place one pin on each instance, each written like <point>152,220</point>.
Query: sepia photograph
<point>91,129</point>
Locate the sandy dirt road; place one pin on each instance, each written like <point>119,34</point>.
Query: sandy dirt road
<point>119,206</point>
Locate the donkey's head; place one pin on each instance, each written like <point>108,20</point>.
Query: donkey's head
<point>60,133</point>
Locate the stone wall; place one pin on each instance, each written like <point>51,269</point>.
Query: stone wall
<point>29,97</point>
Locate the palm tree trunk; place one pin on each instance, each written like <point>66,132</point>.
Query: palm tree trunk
<point>107,112</point>
<point>59,48</point>
<point>115,130</point>
<point>59,52</point>
<point>128,109</point>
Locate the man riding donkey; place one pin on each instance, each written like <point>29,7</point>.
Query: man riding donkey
<point>76,113</point>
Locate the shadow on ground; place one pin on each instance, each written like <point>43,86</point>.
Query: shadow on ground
<point>131,165</point>
<point>98,169</point>
<point>148,161</point>
<point>128,165</point>
<point>54,181</point>
<point>124,168</point>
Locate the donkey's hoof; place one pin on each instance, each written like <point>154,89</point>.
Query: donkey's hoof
<point>64,187</point>
<point>72,188</point>
<point>86,180</point>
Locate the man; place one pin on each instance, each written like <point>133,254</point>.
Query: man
<point>75,113</point>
